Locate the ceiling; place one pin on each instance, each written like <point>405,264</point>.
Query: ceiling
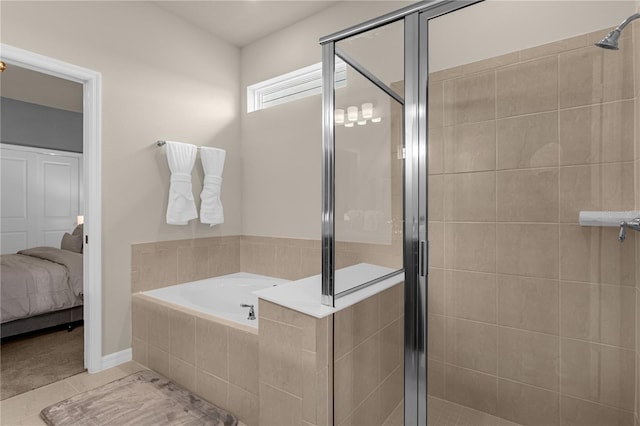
<point>241,22</point>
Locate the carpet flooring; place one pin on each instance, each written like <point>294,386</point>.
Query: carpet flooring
<point>141,399</point>
<point>27,363</point>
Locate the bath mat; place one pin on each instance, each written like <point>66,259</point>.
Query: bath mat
<point>143,398</point>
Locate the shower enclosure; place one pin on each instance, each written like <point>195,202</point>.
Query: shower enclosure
<point>460,150</point>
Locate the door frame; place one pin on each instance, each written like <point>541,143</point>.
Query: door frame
<point>91,141</point>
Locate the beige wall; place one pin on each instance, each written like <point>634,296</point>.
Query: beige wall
<point>501,27</point>
<point>161,79</point>
<point>288,137</point>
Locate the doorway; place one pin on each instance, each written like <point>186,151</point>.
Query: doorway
<point>91,131</point>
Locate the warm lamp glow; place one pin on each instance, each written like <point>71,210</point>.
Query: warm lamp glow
<point>80,220</point>
<point>367,110</point>
<point>352,113</point>
<point>339,116</point>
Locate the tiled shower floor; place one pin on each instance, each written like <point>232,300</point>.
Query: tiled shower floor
<point>445,413</point>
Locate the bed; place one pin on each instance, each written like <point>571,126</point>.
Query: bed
<point>41,287</point>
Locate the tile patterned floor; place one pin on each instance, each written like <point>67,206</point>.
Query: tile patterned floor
<point>24,409</point>
<point>445,413</point>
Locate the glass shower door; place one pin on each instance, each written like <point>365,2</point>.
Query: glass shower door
<point>368,229</point>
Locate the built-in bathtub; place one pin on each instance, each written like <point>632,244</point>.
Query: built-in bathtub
<point>199,336</point>
<point>220,297</point>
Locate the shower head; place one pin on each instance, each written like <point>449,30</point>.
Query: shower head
<point>611,40</point>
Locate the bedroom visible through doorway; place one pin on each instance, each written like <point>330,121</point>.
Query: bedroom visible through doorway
<point>41,227</point>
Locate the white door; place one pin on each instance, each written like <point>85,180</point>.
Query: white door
<point>39,198</point>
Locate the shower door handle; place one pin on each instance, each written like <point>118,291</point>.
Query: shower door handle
<point>424,257</point>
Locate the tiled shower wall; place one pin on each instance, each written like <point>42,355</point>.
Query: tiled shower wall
<point>531,316</point>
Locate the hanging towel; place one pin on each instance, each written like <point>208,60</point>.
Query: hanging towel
<point>181,158</point>
<point>211,208</point>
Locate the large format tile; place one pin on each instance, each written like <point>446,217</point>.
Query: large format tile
<point>528,303</point>
<point>470,147</point>
<point>598,373</point>
<point>470,197</point>
<point>528,405</point>
<point>280,356</point>
<point>527,141</point>
<point>527,249</point>
<point>470,246</point>
<point>31,403</point>
<point>599,313</point>
<point>528,357</point>
<point>592,75</point>
<point>577,412</point>
<point>471,345</point>
<point>243,359</point>
<point>528,87</point>
<point>595,187</point>
<point>85,381</point>
<point>469,99</point>
<point>601,133</point>
<point>182,336</point>
<point>595,255</point>
<point>471,388</point>
<point>471,295</point>
<point>212,346</point>
<point>527,195</point>
<point>278,408</point>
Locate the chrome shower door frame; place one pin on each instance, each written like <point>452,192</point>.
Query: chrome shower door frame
<point>415,236</point>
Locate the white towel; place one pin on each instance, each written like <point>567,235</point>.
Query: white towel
<point>211,211</point>
<point>182,207</point>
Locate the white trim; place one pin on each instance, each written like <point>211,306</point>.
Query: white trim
<point>117,358</point>
<point>291,86</point>
<point>91,121</point>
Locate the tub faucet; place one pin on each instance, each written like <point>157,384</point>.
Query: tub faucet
<point>633,224</point>
<point>252,313</point>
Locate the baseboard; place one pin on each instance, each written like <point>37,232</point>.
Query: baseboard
<point>116,358</point>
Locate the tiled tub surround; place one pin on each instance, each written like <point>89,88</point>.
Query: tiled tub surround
<point>165,263</point>
<point>215,359</point>
<point>369,360</point>
<point>295,367</point>
<point>531,316</point>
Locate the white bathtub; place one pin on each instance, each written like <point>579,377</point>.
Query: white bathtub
<point>219,296</point>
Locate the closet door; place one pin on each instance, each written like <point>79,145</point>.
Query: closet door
<point>39,198</point>
<point>58,202</point>
<point>17,173</point>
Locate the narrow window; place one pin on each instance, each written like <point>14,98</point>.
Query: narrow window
<point>294,85</point>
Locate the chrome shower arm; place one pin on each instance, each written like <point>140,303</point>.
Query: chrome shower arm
<point>627,21</point>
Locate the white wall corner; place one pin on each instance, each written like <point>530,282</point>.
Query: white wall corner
<point>116,358</point>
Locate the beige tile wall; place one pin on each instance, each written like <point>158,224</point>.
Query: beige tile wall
<point>369,362</point>
<point>531,316</point>
<point>295,367</point>
<point>164,263</point>
<point>216,361</point>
